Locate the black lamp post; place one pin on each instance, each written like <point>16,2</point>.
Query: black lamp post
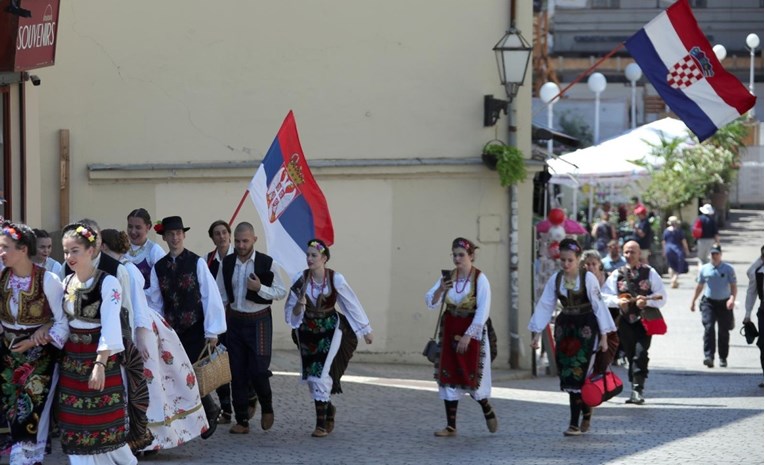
<point>513,53</point>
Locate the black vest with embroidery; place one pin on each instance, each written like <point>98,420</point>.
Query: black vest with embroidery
<point>179,285</point>
<point>33,308</point>
<point>87,301</point>
<point>262,270</point>
<point>574,300</point>
<point>634,281</point>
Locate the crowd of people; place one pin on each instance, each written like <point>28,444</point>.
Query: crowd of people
<point>107,340</point>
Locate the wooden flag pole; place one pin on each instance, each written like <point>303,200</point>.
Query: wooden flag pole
<point>238,207</point>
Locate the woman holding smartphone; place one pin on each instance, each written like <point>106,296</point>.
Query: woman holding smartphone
<point>34,329</point>
<point>464,366</point>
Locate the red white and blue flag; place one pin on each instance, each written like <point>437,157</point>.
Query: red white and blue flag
<point>678,60</point>
<point>290,204</point>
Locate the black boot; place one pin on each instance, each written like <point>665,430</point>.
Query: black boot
<point>212,411</point>
<point>321,419</point>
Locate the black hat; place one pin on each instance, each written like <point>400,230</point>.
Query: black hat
<point>171,223</point>
<point>749,331</point>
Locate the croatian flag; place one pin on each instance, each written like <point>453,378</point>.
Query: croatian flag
<point>289,202</point>
<point>677,59</point>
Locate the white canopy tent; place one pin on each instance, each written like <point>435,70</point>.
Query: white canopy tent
<point>610,161</point>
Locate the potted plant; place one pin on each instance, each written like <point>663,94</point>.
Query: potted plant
<point>508,161</point>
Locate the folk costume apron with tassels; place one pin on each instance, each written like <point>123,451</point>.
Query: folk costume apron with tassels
<point>27,377</point>
<point>314,336</point>
<point>460,370</point>
<point>576,330</point>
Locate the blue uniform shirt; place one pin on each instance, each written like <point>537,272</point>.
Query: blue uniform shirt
<point>717,279</point>
<point>610,264</point>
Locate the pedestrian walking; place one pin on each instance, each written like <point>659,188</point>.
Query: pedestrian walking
<point>581,328</point>
<point>326,318</point>
<point>643,233</point>
<point>675,249</point>
<point>631,288</point>
<point>709,234</point>
<point>464,365</point>
<point>753,292</point>
<point>251,283</point>
<point>614,260</point>
<point>34,330</point>
<point>717,280</point>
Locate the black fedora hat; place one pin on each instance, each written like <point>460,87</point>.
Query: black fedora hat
<point>171,223</point>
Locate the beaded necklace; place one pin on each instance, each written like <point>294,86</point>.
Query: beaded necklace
<point>314,286</point>
<point>465,283</point>
<point>135,252</point>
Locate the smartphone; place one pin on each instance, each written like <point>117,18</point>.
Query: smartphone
<point>446,274</point>
<point>252,276</point>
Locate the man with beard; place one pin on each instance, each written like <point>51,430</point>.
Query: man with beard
<point>251,283</point>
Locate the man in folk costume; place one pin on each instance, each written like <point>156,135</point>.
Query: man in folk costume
<point>631,288</point>
<point>183,290</point>
<point>138,390</point>
<point>251,283</point>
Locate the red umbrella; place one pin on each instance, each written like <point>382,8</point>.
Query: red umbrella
<point>569,225</point>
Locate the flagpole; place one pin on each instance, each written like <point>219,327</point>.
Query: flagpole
<point>580,77</point>
<point>238,207</point>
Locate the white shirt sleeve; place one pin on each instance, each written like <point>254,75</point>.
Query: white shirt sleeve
<point>124,278</point>
<point>221,284</point>
<point>277,290</point>
<point>156,253</point>
<point>483,307</point>
<point>141,309</point>
<point>605,321</point>
<point>290,318</point>
<point>545,307</point>
<point>54,292</point>
<point>610,294</point>
<point>657,288</point>
<point>350,306</point>
<point>751,289</point>
<point>429,296</point>
<point>212,304</point>
<point>154,294</point>
<point>111,304</point>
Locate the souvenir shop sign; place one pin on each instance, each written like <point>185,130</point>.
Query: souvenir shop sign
<point>28,43</point>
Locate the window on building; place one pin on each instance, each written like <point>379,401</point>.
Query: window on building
<point>611,4</point>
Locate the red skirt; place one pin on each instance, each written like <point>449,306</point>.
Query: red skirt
<point>458,370</point>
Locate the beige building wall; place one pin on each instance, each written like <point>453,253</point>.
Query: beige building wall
<point>199,85</point>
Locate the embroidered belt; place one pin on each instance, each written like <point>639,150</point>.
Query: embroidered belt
<point>230,312</point>
<point>312,315</point>
<point>577,310</point>
<point>87,336</point>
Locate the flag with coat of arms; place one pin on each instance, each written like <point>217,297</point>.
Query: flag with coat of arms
<point>290,203</point>
<point>679,62</point>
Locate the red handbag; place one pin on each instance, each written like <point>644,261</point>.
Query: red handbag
<point>653,321</point>
<point>598,388</point>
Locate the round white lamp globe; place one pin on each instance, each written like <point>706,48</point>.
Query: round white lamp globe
<point>752,41</point>
<point>633,72</point>
<point>720,52</point>
<point>596,82</point>
<point>548,91</point>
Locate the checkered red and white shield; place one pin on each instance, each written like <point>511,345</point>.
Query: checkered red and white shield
<point>684,73</point>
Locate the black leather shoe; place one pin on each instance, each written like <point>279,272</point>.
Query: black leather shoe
<point>213,424</point>
<point>723,363</point>
<point>709,362</point>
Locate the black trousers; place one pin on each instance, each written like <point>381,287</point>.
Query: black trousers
<point>249,350</point>
<point>635,343</point>
<point>760,319</point>
<point>715,312</point>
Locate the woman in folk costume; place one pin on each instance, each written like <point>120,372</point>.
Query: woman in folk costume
<point>326,317</point>
<point>580,328</point>
<point>143,252</point>
<point>92,394</point>
<point>175,411</point>
<point>464,365</point>
<point>33,330</point>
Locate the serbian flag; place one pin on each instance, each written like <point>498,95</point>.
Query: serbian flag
<point>289,202</point>
<point>677,59</point>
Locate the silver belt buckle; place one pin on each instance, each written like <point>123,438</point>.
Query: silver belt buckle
<point>81,338</point>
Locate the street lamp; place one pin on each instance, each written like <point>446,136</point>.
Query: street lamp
<point>597,84</point>
<point>633,73</point>
<point>752,42</point>
<point>513,53</point>
<point>720,52</point>
<point>548,93</point>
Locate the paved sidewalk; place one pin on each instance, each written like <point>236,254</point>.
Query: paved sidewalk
<point>387,414</point>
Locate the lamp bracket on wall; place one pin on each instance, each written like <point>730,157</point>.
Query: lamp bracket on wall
<point>491,109</point>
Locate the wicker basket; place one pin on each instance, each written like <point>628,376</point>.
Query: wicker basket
<point>212,369</point>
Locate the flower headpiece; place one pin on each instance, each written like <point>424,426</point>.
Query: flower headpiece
<point>12,232</point>
<point>158,228</point>
<point>86,233</point>
<point>318,246</point>
<point>573,247</point>
<point>463,243</point>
